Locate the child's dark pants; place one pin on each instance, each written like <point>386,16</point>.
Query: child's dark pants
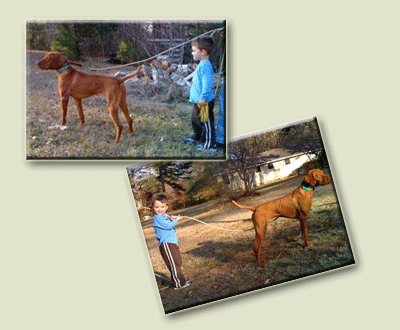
<point>172,258</point>
<point>204,132</point>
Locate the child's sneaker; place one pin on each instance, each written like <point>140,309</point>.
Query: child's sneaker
<point>188,282</point>
<point>190,139</point>
<point>201,147</point>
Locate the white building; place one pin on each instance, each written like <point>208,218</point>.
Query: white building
<point>271,166</point>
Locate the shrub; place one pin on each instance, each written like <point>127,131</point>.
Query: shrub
<point>66,43</point>
<point>36,37</point>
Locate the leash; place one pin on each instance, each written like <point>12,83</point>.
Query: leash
<point>205,223</point>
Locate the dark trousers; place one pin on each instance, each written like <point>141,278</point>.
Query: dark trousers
<point>172,257</point>
<point>204,132</point>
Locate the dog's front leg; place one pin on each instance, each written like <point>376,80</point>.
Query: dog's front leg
<point>304,229</point>
<point>64,108</point>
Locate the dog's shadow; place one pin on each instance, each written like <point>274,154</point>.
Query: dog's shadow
<point>222,252</point>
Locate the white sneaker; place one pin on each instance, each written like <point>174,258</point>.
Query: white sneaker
<point>188,282</point>
<point>201,147</point>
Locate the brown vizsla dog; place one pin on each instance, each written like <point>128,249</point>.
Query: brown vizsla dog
<point>80,85</point>
<point>295,205</point>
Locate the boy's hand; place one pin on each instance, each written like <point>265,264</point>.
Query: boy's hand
<point>174,217</point>
<point>201,102</point>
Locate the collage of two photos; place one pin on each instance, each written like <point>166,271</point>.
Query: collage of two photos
<point>220,217</point>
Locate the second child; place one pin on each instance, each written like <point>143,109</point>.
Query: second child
<point>202,96</point>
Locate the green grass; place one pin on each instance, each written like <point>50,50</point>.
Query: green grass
<point>159,125</point>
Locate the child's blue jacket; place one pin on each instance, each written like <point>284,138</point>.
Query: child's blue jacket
<point>164,228</point>
<point>202,84</point>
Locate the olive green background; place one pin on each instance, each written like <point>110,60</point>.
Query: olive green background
<point>72,251</point>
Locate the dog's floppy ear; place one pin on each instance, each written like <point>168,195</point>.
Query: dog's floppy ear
<point>310,178</point>
<point>57,60</point>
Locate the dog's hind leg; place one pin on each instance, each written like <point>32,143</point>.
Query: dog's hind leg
<point>113,110</point>
<point>125,111</point>
<point>260,226</point>
<point>78,103</point>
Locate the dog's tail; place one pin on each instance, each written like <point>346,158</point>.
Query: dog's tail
<point>244,206</point>
<point>121,80</point>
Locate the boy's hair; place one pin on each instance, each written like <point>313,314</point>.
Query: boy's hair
<point>161,198</point>
<point>204,42</point>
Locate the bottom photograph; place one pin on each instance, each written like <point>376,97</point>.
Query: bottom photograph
<point>267,215</point>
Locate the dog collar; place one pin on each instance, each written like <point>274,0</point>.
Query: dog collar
<point>63,68</point>
<point>306,186</point>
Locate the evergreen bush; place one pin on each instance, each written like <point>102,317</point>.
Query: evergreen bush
<point>66,42</point>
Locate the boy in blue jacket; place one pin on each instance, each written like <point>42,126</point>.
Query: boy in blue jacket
<point>164,227</point>
<point>202,95</point>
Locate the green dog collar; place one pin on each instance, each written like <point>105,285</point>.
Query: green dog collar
<point>63,69</point>
<point>306,188</point>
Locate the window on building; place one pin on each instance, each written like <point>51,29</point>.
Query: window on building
<point>258,169</point>
<point>270,166</point>
<point>287,161</point>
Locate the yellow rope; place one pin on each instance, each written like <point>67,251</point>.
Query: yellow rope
<point>205,223</point>
<point>203,112</point>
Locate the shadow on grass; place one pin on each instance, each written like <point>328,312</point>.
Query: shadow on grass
<point>221,252</point>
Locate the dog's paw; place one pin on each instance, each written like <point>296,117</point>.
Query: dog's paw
<point>57,126</point>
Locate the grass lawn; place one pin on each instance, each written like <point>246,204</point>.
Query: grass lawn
<point>159,125</point>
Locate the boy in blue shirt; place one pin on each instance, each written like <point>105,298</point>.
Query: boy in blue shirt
<point>202,96</point>
<point>164,227</point>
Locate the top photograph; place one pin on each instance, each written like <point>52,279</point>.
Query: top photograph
<point>134,90</point>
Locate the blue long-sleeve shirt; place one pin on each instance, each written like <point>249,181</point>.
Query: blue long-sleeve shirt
<point>164,228</point>
<point>202,83</point>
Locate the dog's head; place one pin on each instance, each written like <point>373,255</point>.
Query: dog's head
<point>54,61</point>
<point>317,178</point>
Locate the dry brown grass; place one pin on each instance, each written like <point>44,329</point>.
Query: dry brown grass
<point>222,264</point>
<point>160,125</point>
